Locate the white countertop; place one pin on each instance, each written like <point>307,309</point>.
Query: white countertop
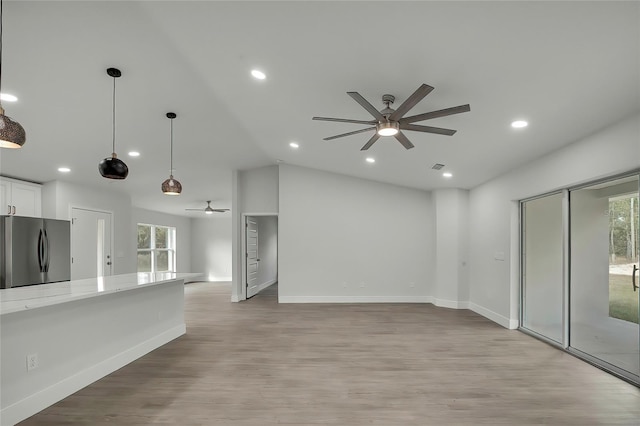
<point>37,296</point>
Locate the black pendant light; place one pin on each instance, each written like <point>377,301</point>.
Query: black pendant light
<point>12,134</point>
<point>171,186</point>
<point>112,167</point>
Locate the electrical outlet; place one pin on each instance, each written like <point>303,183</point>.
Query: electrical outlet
<point>32,362</point>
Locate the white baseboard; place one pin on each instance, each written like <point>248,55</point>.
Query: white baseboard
<point>355,299</point>
<point>31,405</point>
<point>452,304</point>
<point>509,323</point>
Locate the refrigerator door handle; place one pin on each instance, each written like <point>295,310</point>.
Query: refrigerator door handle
<point>47,254</point>
<point>9,211</point>
<point>40,250</point>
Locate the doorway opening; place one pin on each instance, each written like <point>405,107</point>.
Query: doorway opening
<point>260,259</point>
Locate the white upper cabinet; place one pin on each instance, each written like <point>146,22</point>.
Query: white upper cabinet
<point>18,198</point>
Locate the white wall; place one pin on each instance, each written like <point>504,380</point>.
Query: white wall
<point>59,197</point>
<point>258,189</point>
<point>254,191</point>
<point>211,248</point>
<point>267,250</point>
<point>494,289</point>
<point>345,239</point>
<point>183,233</point>
<point>451,287</point>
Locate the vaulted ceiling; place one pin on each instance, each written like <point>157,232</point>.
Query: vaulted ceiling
<point>568,68</point>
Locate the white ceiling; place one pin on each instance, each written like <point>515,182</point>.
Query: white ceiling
<point>569,68</point>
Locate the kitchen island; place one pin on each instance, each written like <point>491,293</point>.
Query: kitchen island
<point>57,338</point>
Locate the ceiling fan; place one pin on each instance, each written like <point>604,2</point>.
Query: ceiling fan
<point>390,122</point>
<point>209,209</point>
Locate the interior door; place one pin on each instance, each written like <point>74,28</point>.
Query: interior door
<point>251,255</point>
<point>604,251</point>
<point>90,244</point>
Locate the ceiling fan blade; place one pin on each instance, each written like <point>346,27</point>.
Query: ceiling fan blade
<point>345,120</point>
<point>366,105</point>
<point>220,210</point>
<point>349,134</point>
<point>428,129</point>
<point>371,141</point>
<point>411,101</point>
<point>436,114</point>
<point>196,210</point>
<point>403,140</point>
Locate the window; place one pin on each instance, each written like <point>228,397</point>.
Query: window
<point>156,248</point>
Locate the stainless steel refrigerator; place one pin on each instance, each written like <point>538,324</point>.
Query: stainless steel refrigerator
<point>34,251</point>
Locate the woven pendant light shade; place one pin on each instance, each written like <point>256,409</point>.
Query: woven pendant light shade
<point>171,186</point>
<point>12,134</point>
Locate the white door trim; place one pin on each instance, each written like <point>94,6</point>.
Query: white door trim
<point>243,257</point>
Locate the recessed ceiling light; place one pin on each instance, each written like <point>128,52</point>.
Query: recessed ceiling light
<point>64,169</point>
<point>258,74</point>
<point>518,124</point>
<point>370,160</point>
<point>7,97</point>
<point>447,174</point>
<point>294,145</point>
<point>134,154</point>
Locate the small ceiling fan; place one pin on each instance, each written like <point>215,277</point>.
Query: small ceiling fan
<point>390,122</point>
<point>209,209</point>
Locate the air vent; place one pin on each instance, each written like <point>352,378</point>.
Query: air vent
<point>437,166</point>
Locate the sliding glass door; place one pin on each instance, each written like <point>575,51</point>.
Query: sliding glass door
<point>579,272</point>
<point>604,258</point>
<point>542,268</point>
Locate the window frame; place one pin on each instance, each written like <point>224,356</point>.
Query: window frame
<point>154,251</point>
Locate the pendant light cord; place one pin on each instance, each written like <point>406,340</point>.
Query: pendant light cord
<point>114,116</point>
<point>1,45</point>
<point>171,151</point>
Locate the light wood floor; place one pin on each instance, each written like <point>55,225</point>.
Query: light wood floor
<point>261,363</point>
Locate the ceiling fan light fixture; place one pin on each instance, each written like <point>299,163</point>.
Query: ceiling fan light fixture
<point>389,128</point>
<point>208,211</point>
